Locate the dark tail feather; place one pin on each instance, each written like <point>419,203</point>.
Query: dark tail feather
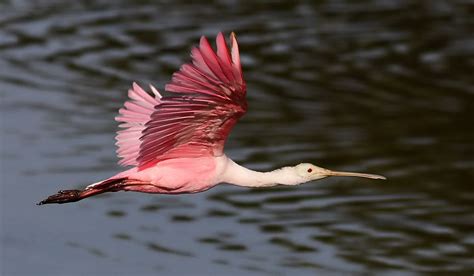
<point>66,196</point>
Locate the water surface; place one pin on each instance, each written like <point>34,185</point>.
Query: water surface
<point>377,86</point>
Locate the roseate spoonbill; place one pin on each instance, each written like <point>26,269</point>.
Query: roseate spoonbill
<point>176,142</point>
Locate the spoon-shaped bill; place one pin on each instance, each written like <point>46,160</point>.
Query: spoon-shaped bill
<point>364,175</point>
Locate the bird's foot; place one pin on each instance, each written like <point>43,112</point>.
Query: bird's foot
<point>63,196</point>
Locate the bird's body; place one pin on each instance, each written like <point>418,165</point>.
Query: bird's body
<point>176,143</point>
<point>173,176</point>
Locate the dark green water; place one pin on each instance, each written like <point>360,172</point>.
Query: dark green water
<point>377,86</point>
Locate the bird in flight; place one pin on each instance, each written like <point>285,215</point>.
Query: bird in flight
<point>176,143</point>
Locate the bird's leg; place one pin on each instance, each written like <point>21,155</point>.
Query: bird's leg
<point>66,196</point>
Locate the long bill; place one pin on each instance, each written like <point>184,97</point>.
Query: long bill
<point>364,175</point>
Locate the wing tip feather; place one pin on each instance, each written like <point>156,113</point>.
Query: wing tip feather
<point>234,48</point>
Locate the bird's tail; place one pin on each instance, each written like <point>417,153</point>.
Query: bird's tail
<point>66,196</point>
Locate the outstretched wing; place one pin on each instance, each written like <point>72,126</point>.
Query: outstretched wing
<point>207,100</point>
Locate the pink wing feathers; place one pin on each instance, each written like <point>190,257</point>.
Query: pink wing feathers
<point>207,100</point>
<point>134,114</point>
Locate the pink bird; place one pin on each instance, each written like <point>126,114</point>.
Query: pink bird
<point>176,143</point>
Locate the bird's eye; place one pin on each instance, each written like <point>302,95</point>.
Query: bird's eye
<point>310,170</point>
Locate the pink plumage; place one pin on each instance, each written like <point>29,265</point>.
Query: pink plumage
<point>209,99</point>
<point>176,142</point>
<point>134,115</point>
<point>188,127</point>
<point>195,121</point>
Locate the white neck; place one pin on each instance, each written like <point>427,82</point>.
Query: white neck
<point>235,174</point>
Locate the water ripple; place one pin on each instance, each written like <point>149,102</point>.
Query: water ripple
<point>382,87</point>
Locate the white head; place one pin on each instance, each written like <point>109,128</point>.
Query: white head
<point>305,172</point>
<point>309,172</point>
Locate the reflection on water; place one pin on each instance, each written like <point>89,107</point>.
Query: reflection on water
<point>383,87</point>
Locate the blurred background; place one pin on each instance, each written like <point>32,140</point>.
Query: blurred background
<point>378,86</point>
